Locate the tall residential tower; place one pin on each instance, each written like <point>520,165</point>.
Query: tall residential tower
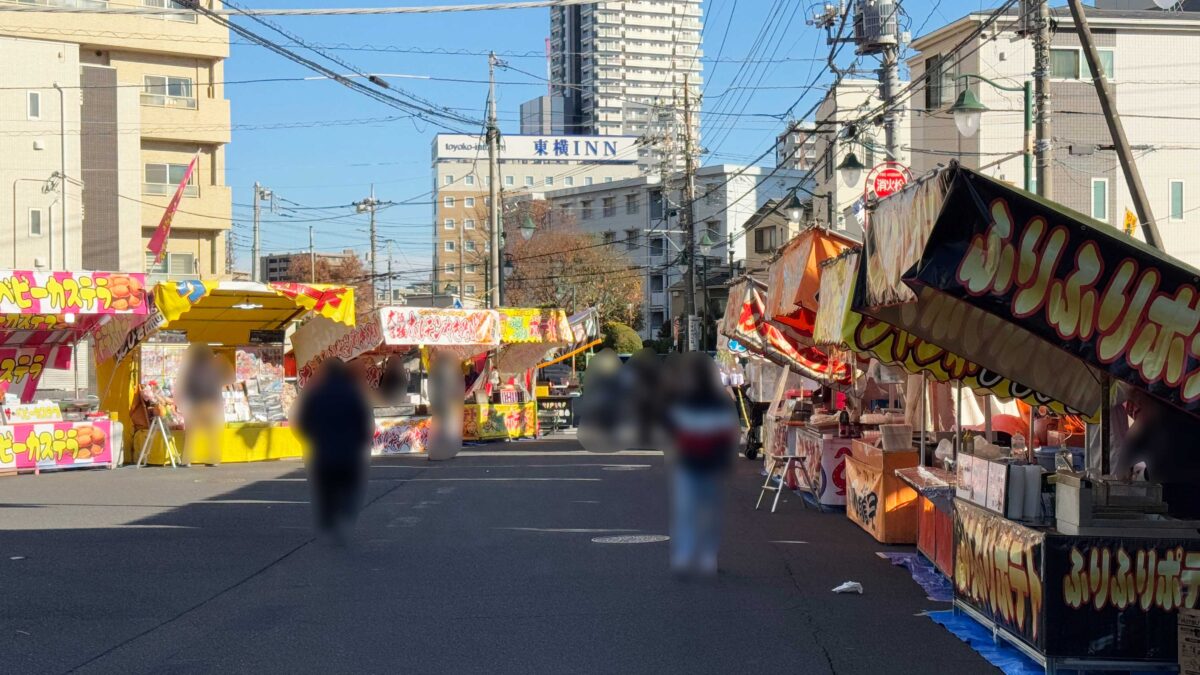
<point>619,68</point>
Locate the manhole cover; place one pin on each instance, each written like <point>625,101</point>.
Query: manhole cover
<point>630,539</point>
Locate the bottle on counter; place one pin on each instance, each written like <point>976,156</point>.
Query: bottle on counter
<point>844,424</point>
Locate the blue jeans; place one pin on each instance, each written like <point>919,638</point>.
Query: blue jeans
<point>696,518</point>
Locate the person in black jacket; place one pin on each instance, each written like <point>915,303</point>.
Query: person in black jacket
<point>338,423</point>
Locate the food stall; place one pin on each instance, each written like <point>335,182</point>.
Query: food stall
<point>820,457</point>
<point>556,396</point>
<point>507,407</point>
<point>244,324</point>
<point>1077,570</point>
<point>397,333</point>
<point>45,314</point>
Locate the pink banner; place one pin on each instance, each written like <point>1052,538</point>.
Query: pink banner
<point>55,445</point>
<point>440,327</point>
<point>21,368</point>
<point>158,241</point>
<point>25,292</point>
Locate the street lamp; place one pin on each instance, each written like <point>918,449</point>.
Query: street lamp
<point>706,243</point>
<point>527,228</point>
<point>794,209</point>
<point>968,117</point>
<point>851,169</point>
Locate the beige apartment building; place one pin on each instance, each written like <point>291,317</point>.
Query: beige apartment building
<point>530,165</point>
<point>1150,59</point>
<point>146,97</point>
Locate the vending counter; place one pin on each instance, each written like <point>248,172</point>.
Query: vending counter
<point>492,421</point>
<point>823,455</point>
<point>878,501</point>
<point>240,442</point>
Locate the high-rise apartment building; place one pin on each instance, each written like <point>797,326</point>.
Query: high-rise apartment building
<point>619,68</point>
<point>142,95</point>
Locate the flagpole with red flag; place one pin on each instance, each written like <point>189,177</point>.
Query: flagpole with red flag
<point>158,241</point>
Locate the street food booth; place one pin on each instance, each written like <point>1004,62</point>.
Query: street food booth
<point>1076,569</point>
<point>44,316</point>
<point>245,325</point>
<point>405,334</point>
<point>559,388</point>
<point>507,406</point>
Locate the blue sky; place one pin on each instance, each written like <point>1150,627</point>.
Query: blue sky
<point>348,143</point>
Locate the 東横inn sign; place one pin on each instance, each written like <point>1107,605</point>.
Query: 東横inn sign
<point>539,148</point>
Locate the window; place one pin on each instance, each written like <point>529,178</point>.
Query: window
<point>449,224</point>
<point>487,201</point>
<point>608,179</point>
<point>173,264</point>
<point>657,247</point>
<point>657,283</point>
<point>510,181</point>
<point>172,4</point>
<point>585,209</point>
<point>469,224</point>
<point>449,245</point>
<point>1100,199</point>
<point>471,269</point>
<point>570,181</point>
<point>448,179</point>
<point>631,203</point>
<point>711,194</point>
<point>448,202</point>
<point>1071,64</point>
<point>528,181</point>
<point>933,82</point>
<point>764,240</point>
<point>1064,64</point>
<point>173,92</point>
<point>451,288</point>
<point>162,179</point>
<point>549,180</point>
<point>657,318</point>
<point>656,204</point>
<point>470,288</point>
<point>469,202</point>
<point>609,237</point>
<point>469,180</point>
<point>1176,210</point>
<point>451,268</point>
<point>469,246</point>
<point>34,109</point>
<point>587,180</point>
<point>35,222</point>
<point>610,207</point>
<point>631,239</point>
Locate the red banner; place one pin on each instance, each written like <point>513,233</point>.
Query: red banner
<point>158,242</point>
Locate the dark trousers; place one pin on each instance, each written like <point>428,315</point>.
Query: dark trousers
<point>337,495</point>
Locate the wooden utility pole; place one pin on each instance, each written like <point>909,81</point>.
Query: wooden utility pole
<point>1043,149</point>
<point>688,212</point>
<point>493,147</point>
<point>1115,128</point>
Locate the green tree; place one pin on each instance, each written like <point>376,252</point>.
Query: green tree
<point>622,338</point>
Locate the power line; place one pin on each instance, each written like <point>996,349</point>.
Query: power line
<point>187,6</point>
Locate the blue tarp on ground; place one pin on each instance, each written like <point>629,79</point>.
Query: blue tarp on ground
<point>1001,655</point>
<point>937,587</point>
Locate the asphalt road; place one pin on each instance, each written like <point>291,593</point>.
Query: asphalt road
<point>482,564</point>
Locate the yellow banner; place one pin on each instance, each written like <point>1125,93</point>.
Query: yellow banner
<point>335,303</point>
<point>534,325</point>
<point>174,299</point>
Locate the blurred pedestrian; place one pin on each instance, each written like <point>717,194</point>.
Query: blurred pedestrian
<point>336,419</point>
<point>643,398</point>
<point>198,395</point>
<point>701,422</point>
<point>599,407</point>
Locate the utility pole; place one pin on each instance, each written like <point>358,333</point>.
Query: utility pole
<point>1041,89</point>
<point>389,280</point>
<point>312,258</point>
<point>689,196</point>
<point>889,84</point>
<point>493,146</point>
<point>260,193</point>
<point>368,206</point>
<point>1115,129</point>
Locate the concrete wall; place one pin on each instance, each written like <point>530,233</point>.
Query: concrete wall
<point>31,150</point>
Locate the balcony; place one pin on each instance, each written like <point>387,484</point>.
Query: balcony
<point>207,207</point>
<point>180,34</point>
<point>165,101</point>
<point>183,118</point>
